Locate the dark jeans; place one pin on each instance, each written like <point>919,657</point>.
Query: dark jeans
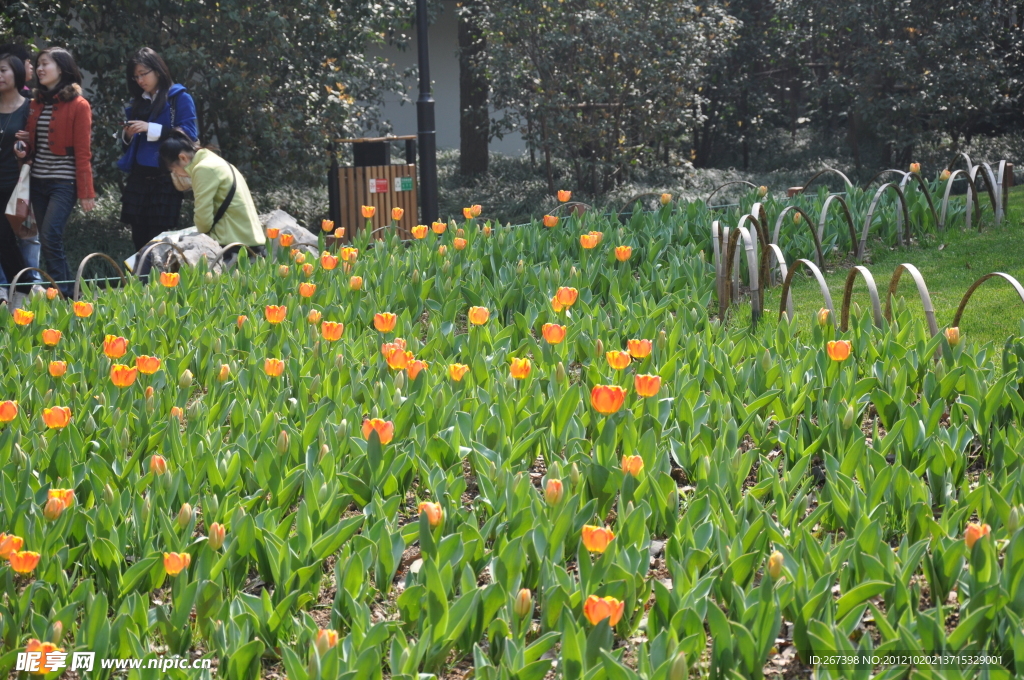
<point>53,200</point>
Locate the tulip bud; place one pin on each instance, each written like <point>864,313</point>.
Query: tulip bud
<point>314,385</point>
<point>553,492</point>
<point>21,456</point>
<point>1013,523</point>
<point>342,429</point>
<point>185,381</point>
<point>599,348</point>
<point>679,669</point>
<point>292,404</point>
<point>324,450</point>
<point>282,271</point>
<point>766,361</point>
<point>775,565</point>
<point>415,275</point>
<point>150,403</point>
<point>282,442</point>
<point>705,468</point>
<point>162,309</point>
<point>126,439</point>
<point>216,536</point>
<point>56,632</point>
<point>400,380</point>
<point>217,345</point>
<point>53,509</point>
<point>574,475</point>
<point>520,267</point>
<point>661,340</point>
<point>523,606</point>
<point>184,515</point>
<point>762,191</point>
<point>560,373</point>
<point>848,417</point>
<point>40,364</point>
<point>89,426</point>
<point>211,505</point>
<point>376,391</point>
<point>940,371</point>
<point>108,495</point>
<point>209,277</point>
<point>510,383</point>
<point>146,507</point>
<point>398,395</point>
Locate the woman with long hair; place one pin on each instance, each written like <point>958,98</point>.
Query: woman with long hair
<point>224,208</point>
<point>150,203</point>
<point>59,145</point>
<point>13,119</point>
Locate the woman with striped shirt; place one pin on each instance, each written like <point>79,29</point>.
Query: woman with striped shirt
<point>59,139</point>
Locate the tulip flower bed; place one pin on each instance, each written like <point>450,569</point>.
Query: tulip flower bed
<point>522,451</point>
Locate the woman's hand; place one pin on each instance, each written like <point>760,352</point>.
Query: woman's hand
<point>21,136</point>
<point>134,127</point>
<point>87,204</point>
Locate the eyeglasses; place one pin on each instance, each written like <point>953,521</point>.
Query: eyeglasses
<point>140,76</point>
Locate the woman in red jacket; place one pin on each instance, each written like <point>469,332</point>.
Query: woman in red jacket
<point>59,138</point>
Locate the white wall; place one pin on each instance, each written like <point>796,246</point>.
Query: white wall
<point>444,73</point>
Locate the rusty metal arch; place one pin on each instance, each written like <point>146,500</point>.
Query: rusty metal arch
<point>719,235</point>
<point>871,181</point>
<point>14,282</point>
<point>970,201</point>
<point>220,256</point>
<point>989,188</point>
<point>974,286</point>
<point>575,205</point>
<point>632,201</point>
<point>756,294</point>
<point>871,211</point>
<point>818,255</point>
<point>821,285</point>
<point>760,216</point>
<point>927,193</point>
<point>876,305</point>
<point>773,255</point>
<point>147,251</point>
<point>823,219</point>
<point>922,291</point>
<point>707,201</point>
<point>759,236</point>
<point>994,187</point>
<point>849,184</point>
<point>81,269</point>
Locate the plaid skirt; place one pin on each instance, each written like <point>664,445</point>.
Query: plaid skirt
<point>149,198</point>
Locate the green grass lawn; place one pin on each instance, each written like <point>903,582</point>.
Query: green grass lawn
<point>949,263</point>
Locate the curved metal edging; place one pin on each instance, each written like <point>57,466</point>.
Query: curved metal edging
<point>871,181</point>
<point>821,285</point>
<point>823,219</point>
<point>750,246</point>
<point>849,184</point>
<point>762,238</point>
<point>632,201</point>
<point>773,252</point>
<point>220,256</point>
<point>871,211</point>
<point>876,304</point>
<point>970,201</point>
<point>974,286</point>
<point>993,191</point>
<point>819,256</point>
<point>14,282</point>
<point>147,251</point>
<point>728,184</point>
<point>922,291</point>
<point>81,269</point>
<point>575,207</point>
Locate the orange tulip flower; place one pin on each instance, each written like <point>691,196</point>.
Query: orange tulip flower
<point>349,254</point>
<point>149,391</point>
<point>82,309</point>
<point>385,429</point>
<point>520,368</point>
<point>355,283</point>
<point>588,241</point>
<point>273,232</point>
<point>369,211</point>
<point>122,376</point>
<point>58,368</point>
<point>553,333</point>
<point>215,536</point>
<point>224,373</point>
<point>623,253</point>
<point>51,336</point>
<point>326,638</point>
<point>487,230</point>
<point>596,539</point>
<point>566,296</point>
<point>169,279</point>
<point>597,609</point>
<point>332,330</point>
<point>475,210</point>
<point>52,293</point>
<point>553,492</point>
<point>307,270</point>
<point>387,347</point>
<point>915,168</point>
<point>23,561</point>
<point>607,399</point>
<point>433,511</point>
<point>953,336</point>
<point>467,213</point>
<point>176,412</point>
<point>306,290</point>
<point>175,563</point>
<point>57,417</point>
<point>478,315</point>
<point>666,199</point>
<point>775,565</point>
<point>457,371</point>
<point>419,231</point>
<point>66,497</point>
<point>415,366</point>
<point>396,213</point>
<point>286,240</point>
<point>282,271</point>
<point>639,349</point>
<point>46,662</point>
<point>314,316</point>
<point>328,261</point>
<point>275,313</point>
<point>52,510</point>
<point>157,464</point>
<point>974,532</point>
<point>632,465</point>
<point>564,196</point>
<point>823,316</point>
<point>839,350</point>
<point>115,346</point>
<point>9,543</point>
<point>617,359</point>
<point>242,318</point>
<point>945,175</point>
<point>647,385</point>
<point>147,364</point>
<point>23,317</point>
<point>551,221</point>
<point>398,359</point>
<point>459,243</point>
<point>327,225</point>
<point>384,321</point>
<point>273,367</point>
<point>438,227</point>
<point>8,411</point>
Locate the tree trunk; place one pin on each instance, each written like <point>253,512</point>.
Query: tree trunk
<point>474,117</point>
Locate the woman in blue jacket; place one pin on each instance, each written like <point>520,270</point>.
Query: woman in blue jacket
<point>150,203</point>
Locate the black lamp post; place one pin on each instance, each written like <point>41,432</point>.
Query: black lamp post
<point>425,122</point>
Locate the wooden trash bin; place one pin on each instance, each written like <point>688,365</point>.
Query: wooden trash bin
<point>383,185</point>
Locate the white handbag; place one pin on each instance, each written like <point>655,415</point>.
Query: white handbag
<point>18,207</point>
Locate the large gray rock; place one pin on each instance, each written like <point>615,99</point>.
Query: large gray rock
<point>194,247</point>
<point>279,219</point>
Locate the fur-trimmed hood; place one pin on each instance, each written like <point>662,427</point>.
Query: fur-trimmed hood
<point>66,94</point>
